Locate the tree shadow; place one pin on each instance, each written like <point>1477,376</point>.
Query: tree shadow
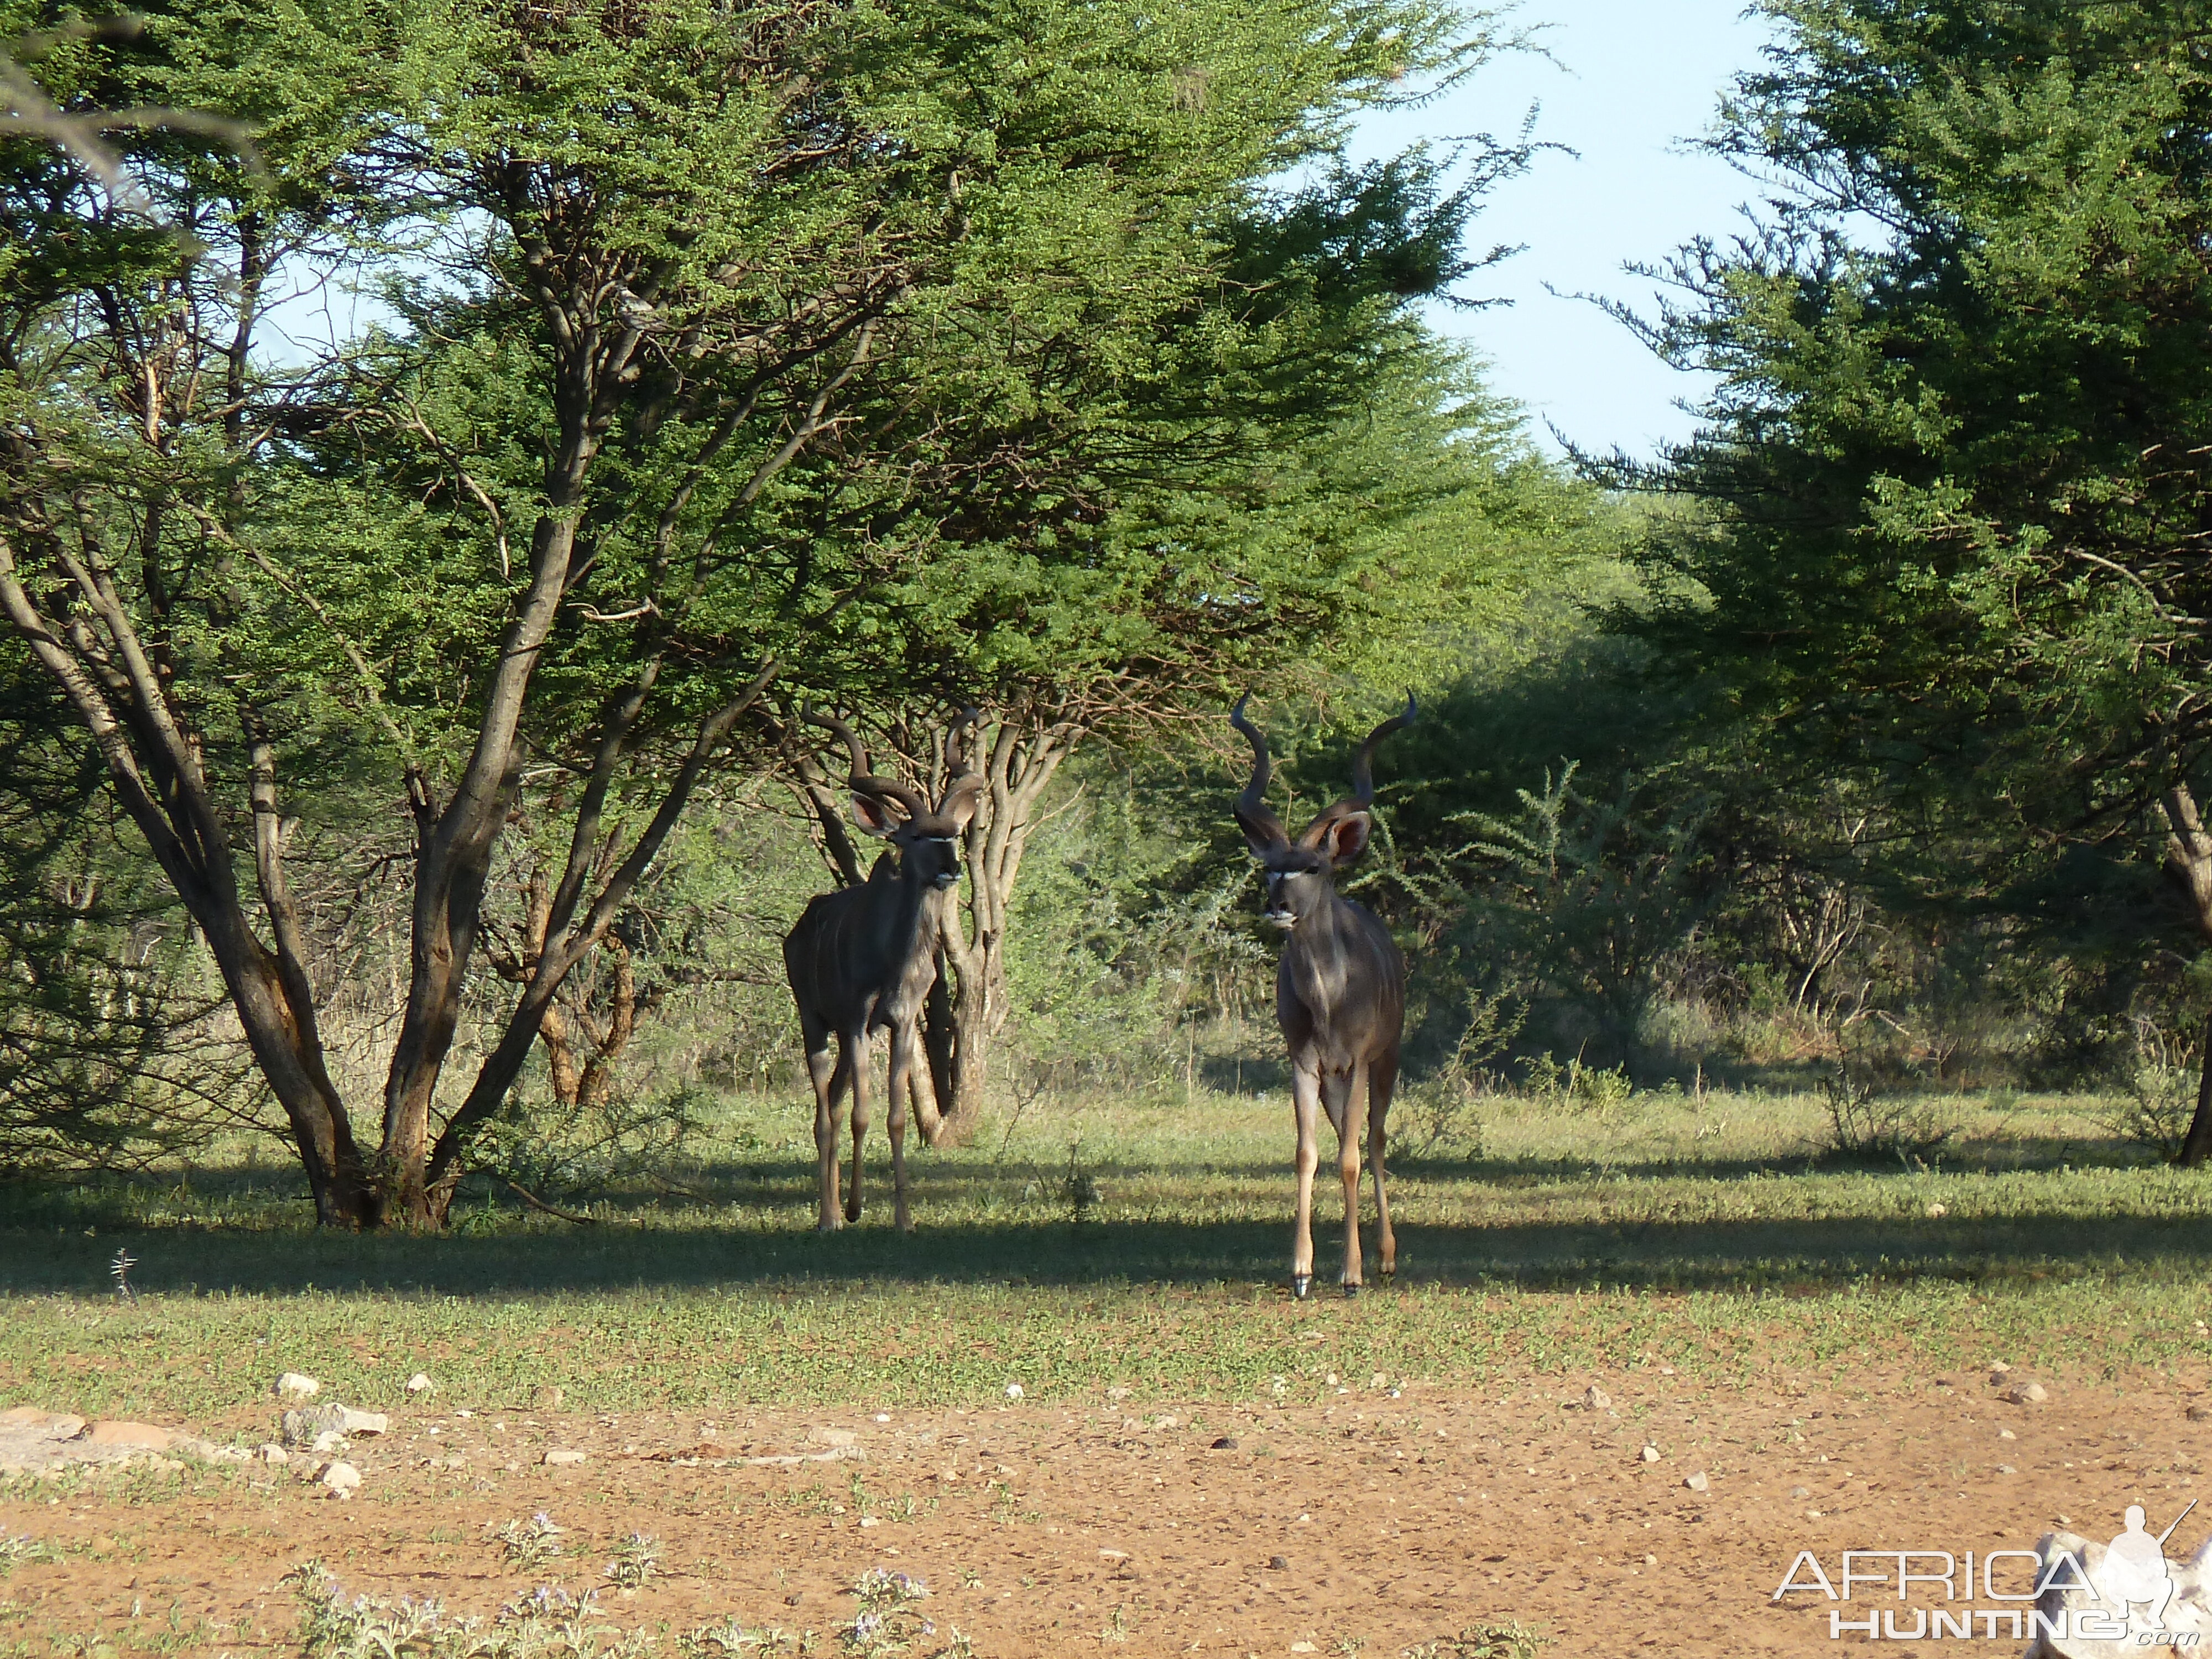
<point>757,1236</point>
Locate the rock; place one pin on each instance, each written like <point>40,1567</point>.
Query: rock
<point>128,1434</point>
<point>1595,1399</point>
<point>547,1397</point>
<point>307,1425</point>
<point>1278,1564</point>
<point>1998,1373</point>
<point>1303,1647</point>
<point>2026,1394</point>
<point>420,1383</point>
<point>50,1426</point>
<point>2201,1412</point>
<point>825,1436</point>
<point>329,1444</point>
<point>556,1456</point>
<point>1937,1212</point>
<point>272,1453</point>
<point>340,1478</point>
<point>1697,1482</point>
<point>1013,1391</point>
<point>1801,1492</point>
<point>2006,1468</point>
<point>1652,1454</point>
<point>2007,1434</point>
<point>1227,1443</point>
<point>1650,1560</point>
<point>1165,1423</point>
<point>297,1385</point>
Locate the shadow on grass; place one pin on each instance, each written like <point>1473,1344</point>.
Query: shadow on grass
<point>754,1236</point>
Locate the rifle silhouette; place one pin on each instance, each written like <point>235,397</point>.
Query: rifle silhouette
<point>2178,1520</point>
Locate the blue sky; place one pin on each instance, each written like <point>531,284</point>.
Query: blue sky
<point>1632,80</point>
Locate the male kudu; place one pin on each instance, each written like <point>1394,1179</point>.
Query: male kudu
<point>862,960</point>
<point>1339,993</point>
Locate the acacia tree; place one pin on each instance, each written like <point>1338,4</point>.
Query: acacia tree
<point>620,452</point>
<point>1293,474</point>
<point>1958,474</point>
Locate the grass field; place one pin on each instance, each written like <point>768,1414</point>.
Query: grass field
<point>1796,1350</point>
<point>1703,1234</point>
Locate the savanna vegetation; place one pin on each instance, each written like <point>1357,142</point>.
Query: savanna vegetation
<point>447,447</point>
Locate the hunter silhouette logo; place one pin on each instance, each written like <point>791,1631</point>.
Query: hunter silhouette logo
<point>2069,1597</point>
<point>2134,1571</point>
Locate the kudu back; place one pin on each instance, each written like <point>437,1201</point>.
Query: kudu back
<point>862,960</point>
<point>1339,993</point>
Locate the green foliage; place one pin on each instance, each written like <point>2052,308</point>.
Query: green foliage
<point>1509,1640</point>
<point>1956,470</point>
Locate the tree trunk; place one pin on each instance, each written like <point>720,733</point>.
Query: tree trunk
<point>2189,860</point>
<point>964,1019</point>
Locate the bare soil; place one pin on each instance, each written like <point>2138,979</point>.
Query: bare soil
<point>1048,1529</point>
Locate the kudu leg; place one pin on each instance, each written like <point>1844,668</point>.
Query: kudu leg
<point>1305,1108</point>
<point>1347,1165</point>
<point>1381,1082</point>
<point>863,1109</point>
<point>904,1044</point>
<point>826,1067</point>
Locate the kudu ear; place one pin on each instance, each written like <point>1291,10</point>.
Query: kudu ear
<point>961,801</point>
<point>875,818</point>
<point>1263,832</point>
<point>1343,837</point>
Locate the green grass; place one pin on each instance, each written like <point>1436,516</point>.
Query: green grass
<point>1700,1234</point>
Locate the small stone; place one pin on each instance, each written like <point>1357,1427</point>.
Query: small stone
<point>2007,1434</point>
<point>1801,1492</point>
<point>307,1425</point>
<point>557,1456</point>
<point>2006,1468</point>
<point>2200,1412</point>
<point>1117,1392</point>
<point>882,1417</point>
<point>832,1437</point>
<point>1303,1647</point>
<point>1113,1555</point>
<point>1650,1560</point>
<point>793,1599</point>
<point>340,1478</point>
<point>1165,1423</point>
<point>1013,1391</point>
<point>1652,1454</point>
<point>1595,1399</point>
<point>1937,1212</point>
<point>1697,1482</point>
<point>1331,1379</point>
<point>1227,1443</point>
<point>103,1542</point>
<point>420,1383</point>
<point>329,1444</point>
<point>272,1453</point>
<point>129,1434</point>
<point>297,1385</point>
<point>547,1397</point>
<point>1278,1564</point>
<point>1998,1372</point>
<point>2026,1394</point>
<point>870,1521</point>
<point>1379,1381</point>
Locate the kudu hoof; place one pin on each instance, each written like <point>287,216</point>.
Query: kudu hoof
<point>1301,1285</point>
<point>1350,1290</point>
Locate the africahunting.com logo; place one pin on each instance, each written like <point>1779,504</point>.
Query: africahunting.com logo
<point>2069,1597</point>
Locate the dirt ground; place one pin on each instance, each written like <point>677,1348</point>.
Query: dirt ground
<point>1262,1530</point>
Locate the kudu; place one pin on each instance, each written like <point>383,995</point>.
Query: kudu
<point>1339,993</point>
<point>861,960</point>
